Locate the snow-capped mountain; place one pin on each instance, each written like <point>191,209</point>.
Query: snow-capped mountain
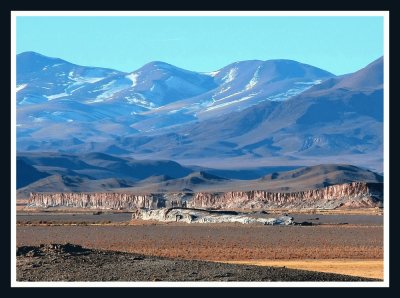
<point>340,119</point>
<point>97,104</point>
<point>249,109</point>
<point>239,86</point>
<point>246,83</point>
<point>43,79</point>
<point>168,93</point>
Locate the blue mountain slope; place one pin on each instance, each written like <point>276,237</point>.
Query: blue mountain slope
<point>51,91</point>
<point>343,117</point>
<point>278,109</point>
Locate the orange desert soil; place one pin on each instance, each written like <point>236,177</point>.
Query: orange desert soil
<point>218,242</point>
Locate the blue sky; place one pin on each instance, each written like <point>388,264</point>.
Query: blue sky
<point>337,44</point>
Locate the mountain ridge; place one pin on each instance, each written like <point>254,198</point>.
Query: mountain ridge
<point>278,111</point>
<point>187,180</point>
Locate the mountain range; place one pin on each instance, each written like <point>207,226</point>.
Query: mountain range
<point>94,172</point>
<point>247,114</point>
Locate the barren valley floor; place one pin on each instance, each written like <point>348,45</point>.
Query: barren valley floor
<point>340,243</point>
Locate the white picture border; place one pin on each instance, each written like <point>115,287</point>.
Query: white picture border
<point>15,14</point>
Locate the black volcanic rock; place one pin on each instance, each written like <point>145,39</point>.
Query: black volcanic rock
<point>70,262</point>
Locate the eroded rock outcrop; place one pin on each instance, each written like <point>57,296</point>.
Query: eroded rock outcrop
<point>96,200</point>
<point>349,195</point>
<point>191,215</point>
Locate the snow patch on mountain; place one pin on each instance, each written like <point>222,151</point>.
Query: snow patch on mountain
<point>55,96</point>
<point>229,96</point>
<point>90,80</point>
<point>214,107</point>
<point>316,82</point>
<point>105,86</point>
<point>212,73</point>
<point>77,89</point>
<point>133,77</point>
<point>37,119</point>
<point>79,82</point>
<point>254,80</point>
<point>303,86</point>
<point>139,100</point>
<point>174,111</point>
<point>231,75</point>
<point>224,89</point>
<point>82,80</point>
<point>110,89</point>
<point>20,87</point>
<point>24,101</point>
<point>110,93</point>
<point>94,101</point>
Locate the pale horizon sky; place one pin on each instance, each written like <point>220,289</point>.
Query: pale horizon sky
<point>337,44</point>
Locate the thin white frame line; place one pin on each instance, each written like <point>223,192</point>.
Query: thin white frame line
<point>384,14</point>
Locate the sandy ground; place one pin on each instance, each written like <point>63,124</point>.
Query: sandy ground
<point>64,218</point>
<point>340,243</point>
<point>218,242</point>
<point>101,216</point>
<point>364,268</point>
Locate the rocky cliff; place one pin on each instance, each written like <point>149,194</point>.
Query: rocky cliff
<point>351,195</point>
<point>96,200</point>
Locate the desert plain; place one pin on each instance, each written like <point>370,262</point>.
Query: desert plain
<point>346,242</point>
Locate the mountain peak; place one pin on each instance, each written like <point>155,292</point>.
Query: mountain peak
<point>28,62</point>
<point>31,55</point>
<point>369,77</point>
<point>158,64</point>
<point>166,67</point>
<point>244,110</point>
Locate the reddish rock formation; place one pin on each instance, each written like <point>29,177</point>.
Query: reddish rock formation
<point>351,195</point>
<point>96,200</point>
